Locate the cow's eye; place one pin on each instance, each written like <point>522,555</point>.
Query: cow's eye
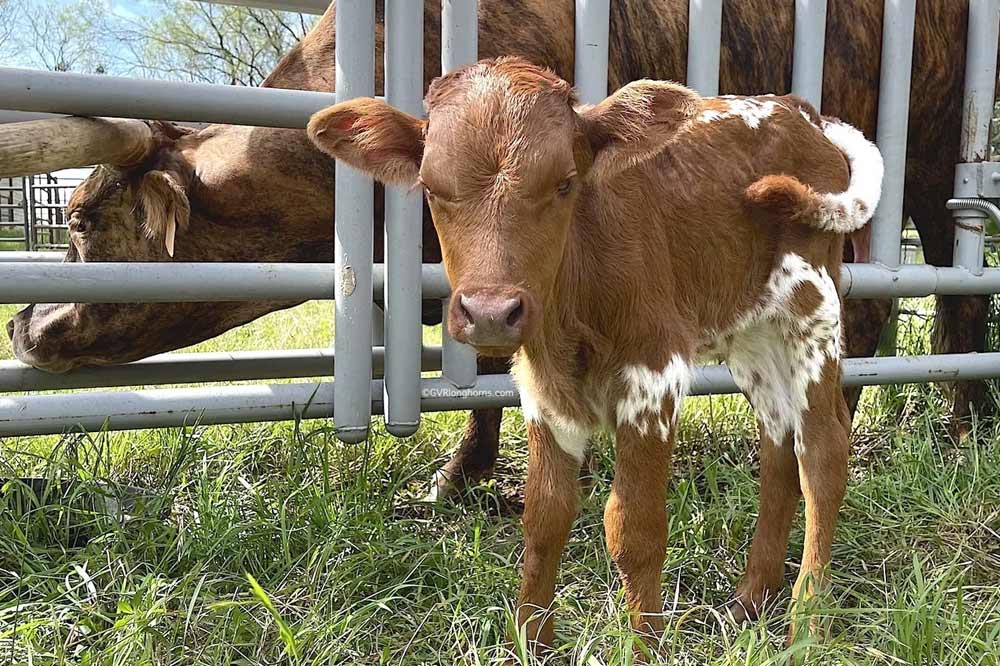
<point>77,224</point>
<point>566,185</point>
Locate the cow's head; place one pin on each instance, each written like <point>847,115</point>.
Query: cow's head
<point>172,195</point>
<point>504,157</point>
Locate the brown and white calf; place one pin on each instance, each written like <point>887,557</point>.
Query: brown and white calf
<point>613,246</point>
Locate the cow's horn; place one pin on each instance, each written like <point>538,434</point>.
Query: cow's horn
<point>41,146</point>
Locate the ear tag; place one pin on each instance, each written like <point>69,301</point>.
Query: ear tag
<point>171,236</point>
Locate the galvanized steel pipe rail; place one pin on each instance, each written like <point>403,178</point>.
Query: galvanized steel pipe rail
<point>49,282</point>
<point>30,90</point>
<point>162,408</point>
<point>195,368</point>
<point>122,282</point>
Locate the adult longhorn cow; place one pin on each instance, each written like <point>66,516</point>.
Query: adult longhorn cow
<point>252,194</point>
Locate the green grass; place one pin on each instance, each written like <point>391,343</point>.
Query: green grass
<point>275,544</point>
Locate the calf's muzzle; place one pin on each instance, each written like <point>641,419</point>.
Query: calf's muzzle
<point>494,320</point>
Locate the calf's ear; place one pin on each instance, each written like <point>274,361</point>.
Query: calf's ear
<point>373,137</point>
<point>636,123</point>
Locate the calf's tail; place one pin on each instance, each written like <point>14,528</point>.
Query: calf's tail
<point>836,212</point>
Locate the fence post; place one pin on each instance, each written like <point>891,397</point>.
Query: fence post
<point>893,125</point>
<point>353,223</point>
<point>704,45</point>
<point>810,47</point>
<point>973,179</point>
<point>404,87</point>
<point>459,47</point>
<point>590,75</point>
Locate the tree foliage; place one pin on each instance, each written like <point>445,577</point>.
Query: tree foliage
<point>60,36</point>
<point>162,39</point>
<point>210,43</point>
<point>9,11</point>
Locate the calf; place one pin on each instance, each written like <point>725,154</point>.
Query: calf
<point>611,247</point>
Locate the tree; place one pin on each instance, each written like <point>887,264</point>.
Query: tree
<point>209,43</point>
<point>63,37</point>
<point>9,13</point>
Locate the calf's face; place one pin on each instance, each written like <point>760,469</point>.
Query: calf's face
<point>504,158</point>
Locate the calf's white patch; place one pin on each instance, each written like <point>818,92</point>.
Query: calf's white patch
<point>645,392</point>
<point>751,111</point>
<point>775,353</point>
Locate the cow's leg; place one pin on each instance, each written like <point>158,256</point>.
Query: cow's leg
<point>863,320</point>
<point>779,501</point>
<point>635,521</point>
<point>960,321</point>
<point>550,501</point>
<point>821,449</point>
<point>476,455</point>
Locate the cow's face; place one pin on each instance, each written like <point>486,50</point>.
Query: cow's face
<point>139,214</point>
<point>504,159</point>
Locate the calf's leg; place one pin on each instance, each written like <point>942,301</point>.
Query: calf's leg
<point>863,320</point>
<point>635,523</point>
<point>822,452</point>
<point>779,502</point>
<point>550,501</point>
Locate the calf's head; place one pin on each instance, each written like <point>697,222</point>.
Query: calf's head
<point>505,158</point>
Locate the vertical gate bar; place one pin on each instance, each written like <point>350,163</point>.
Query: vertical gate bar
<point>404,87</point>
<point>29,243</point>
<point>810,45</point>
<point>459,47</point>
<point>459,34</point>
<point>29,208</point>
<point>704,45</point>
<point>590,76</point>
<point>353,223</point>
<point>980,93</point>
<point>893,125</point>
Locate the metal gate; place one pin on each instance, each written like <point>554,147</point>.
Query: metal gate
<point>386,377</point>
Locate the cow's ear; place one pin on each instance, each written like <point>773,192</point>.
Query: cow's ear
<point>635,123</point>
<point>371,136</point>
<point>165,206</point>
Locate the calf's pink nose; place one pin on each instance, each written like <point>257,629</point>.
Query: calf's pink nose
<point>488,319</point>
